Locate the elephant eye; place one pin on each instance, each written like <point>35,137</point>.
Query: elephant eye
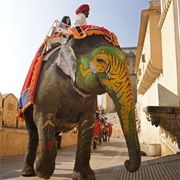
<point>100,60</point>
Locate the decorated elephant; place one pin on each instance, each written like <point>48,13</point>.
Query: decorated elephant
<point>98,130</point>
<point>89,64</point>
<point>101,129</point>
<point>107,131</point>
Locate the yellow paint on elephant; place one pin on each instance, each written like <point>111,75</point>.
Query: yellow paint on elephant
<point>101,67</point>
<point>125,112</point>
<point>121,55</point>
<point>84,72</point>
<point>91,127</point>
<point>84,122</point>
<point>48,122</point>
<point>112,83</point>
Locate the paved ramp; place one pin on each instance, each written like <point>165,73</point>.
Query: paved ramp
<point>107,161</point>
<point>163,168</point>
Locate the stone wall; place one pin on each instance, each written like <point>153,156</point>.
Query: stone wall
<point>14,141</point>
<point>13,133</point>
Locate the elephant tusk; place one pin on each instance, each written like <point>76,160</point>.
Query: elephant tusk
<point>92,67</point>
<point>107,71</point>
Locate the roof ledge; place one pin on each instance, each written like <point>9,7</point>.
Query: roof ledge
<point>149,77</point>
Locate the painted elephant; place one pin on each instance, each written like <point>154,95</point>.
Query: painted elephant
<point>66,95</point>
<point>107,131</point>
<point>101,131</point>
<point>98,130</point>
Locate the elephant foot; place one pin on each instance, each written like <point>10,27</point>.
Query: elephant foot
<point>77,176</point>
<point>45,164</point>
<point>88,175</point>
<point>27,171</point>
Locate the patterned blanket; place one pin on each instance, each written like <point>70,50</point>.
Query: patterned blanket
<point>29,88</point>
<point>31,81</point>
<point>80,32</point>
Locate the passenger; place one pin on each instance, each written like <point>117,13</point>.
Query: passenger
<point>63,26</point>
<point>66,23</point>
<point>82,13</point>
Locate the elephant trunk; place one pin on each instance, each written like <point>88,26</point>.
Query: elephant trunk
<point>122,96</point>
<point>126,112</point>
<point>134,163</point>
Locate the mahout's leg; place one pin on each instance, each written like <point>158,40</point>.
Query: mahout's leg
<point>82,169</point>
<point>45,162</point>
<point>28,166</point>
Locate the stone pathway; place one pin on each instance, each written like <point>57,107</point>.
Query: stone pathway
<point>107,161</point>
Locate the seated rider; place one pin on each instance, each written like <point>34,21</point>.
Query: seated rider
<point>82,13</point>
<point>63,26</point>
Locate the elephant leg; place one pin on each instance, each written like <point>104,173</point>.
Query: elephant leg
<point>82,169</point>
<point>28,166</point>
<point>105,138</point>
<point>100,138</point>
<point>95,140</point>
<point>45,162</point>
<point>109,138</point>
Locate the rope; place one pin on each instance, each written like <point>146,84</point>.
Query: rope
<point>51,27</point>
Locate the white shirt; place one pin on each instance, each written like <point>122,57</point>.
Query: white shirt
<point>60,134</point>
<point>80,20</point>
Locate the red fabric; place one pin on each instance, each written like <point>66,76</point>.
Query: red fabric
<point>82,8</point>
<point>28,79</point>
<point>29,87</point>
<point>97,126</point>
<point>110,129</point>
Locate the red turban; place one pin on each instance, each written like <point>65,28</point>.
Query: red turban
<point>82,8</point>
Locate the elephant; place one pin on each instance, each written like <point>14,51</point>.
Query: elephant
<point>98,130</point>
<point>107,131</point>
<point>66,95</point>
<point>101,130</point>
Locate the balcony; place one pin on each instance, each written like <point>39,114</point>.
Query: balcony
<point>167,118</point>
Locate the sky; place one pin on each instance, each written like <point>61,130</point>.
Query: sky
<point>24,25</point>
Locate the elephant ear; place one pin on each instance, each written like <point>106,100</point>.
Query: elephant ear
<point>67,61</point>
